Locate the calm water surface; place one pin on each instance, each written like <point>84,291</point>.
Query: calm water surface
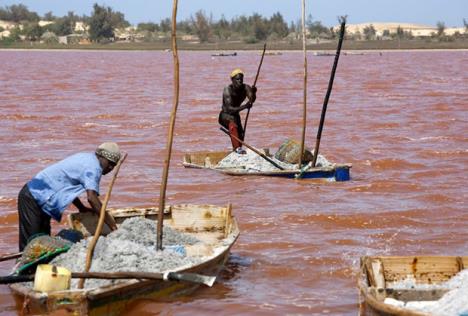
<point>401,119</point>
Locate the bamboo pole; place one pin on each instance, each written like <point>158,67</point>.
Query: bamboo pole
<point>304,108</point>
<point>102,215</point>
<point>170,136</point>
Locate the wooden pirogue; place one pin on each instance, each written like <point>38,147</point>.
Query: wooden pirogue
<point>215,226</point>
<point>209,160</point>
<point>378,274</point>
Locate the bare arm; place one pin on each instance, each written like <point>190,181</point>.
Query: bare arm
<point>251,93</point>
<point>80,206</point>
<point>96,205</point>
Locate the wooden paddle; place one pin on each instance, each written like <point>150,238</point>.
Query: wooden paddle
<point>254,84</point>
<point>102,216</point>
<point>253,149</point>
<point>170,276</point>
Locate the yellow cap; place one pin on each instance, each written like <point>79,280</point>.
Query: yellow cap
<point>236,71</point>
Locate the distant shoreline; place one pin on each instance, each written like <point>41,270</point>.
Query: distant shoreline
<point>348,46</point>
<point>352,52</point>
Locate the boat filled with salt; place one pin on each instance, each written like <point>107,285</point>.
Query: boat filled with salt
<point>197,242</point>
<point>252,164</point>
<point>413,285</point>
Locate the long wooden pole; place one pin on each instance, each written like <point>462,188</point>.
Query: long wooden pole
<point>254,84</point>
<point>170,136</point>
<point>102,216</point>
<point>330,86</point>
<point>168,276</point>
<point>10,256</point>
<point>252,149</point>
<point>304,107</point>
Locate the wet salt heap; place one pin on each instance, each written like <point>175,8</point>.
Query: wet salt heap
<point>132,247</point>
<point>452,303</point>
<point>252,162</point>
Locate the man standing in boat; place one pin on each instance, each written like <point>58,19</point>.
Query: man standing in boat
<point>233,96</point>
<point>52,190</point>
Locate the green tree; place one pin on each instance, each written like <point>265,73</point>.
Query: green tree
<point>18,13</point>
<point>278,25</point>
<point>259,27</point>
<point>440,29</point>
<point>369,32</point>
<point>150,27</point>
<point>465,23</point>
<point>118,20</point>
<point>201,25</point>
<point>185,27</point>
<point>100,24</point>
<point>316,28</point>
<point>165,25</point>
<point>49,16</point>
<point>222,29</point>
<point>64,25</point>
<point>15,34</point>
<point>32,31</point>
<point>241,25</point>
<point>400,33</point>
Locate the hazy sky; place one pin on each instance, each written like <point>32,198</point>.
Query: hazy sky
<point>451,12</point>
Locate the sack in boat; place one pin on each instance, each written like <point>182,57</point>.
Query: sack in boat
<point>289,152</point>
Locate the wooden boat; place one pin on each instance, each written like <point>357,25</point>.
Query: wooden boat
<point>324,54</point>
<point>224,54</point>
<point>214,225</point>
<point>378,276</point>
<point>209,160</point>
<point>273,53</point>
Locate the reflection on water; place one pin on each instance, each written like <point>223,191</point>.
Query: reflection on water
<point>400,118</point>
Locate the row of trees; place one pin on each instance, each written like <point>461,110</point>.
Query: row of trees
<point>251,29</point>
<point>104,21</point>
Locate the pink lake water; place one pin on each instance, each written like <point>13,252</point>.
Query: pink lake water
<point>401,119</point>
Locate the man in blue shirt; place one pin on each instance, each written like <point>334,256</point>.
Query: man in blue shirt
<point>52,190</point>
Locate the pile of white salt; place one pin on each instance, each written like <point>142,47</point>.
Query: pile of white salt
<point>452,303</point>
<point>253,162</point>
<point>132,247</point>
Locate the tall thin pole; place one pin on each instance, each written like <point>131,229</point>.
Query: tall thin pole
<point>102,216</point>
<point>329,89</point>
<point>170,136</point>
<point>304,108</point>
<point>254,84</point>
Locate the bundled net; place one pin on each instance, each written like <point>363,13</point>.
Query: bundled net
<point>290,151</point>
<point>41,249</point>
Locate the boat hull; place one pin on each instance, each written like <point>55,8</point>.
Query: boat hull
<point>378,273</point>
<point>214,225</point>
<point>208,160</point>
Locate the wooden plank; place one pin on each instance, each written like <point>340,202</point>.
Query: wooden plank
<point>378,273</point>
<point>195,218</point>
